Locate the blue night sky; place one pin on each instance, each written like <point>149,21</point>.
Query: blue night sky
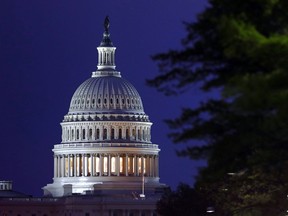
<point>48,48</point>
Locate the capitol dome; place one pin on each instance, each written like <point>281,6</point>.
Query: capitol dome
<point>106,93</point>
<point>106,136</point>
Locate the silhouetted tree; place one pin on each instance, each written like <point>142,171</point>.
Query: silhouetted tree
<point>184,201</point>
<point>238,48</point>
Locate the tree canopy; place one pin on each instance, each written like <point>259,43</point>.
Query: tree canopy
<point>240,49</point>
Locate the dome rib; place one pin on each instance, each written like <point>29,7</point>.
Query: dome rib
<point>100,94</point>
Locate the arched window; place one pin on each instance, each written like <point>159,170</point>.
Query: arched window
<point>98,133</point>
<point>120,134</point>
<point>127,134</point>
<point>77,134</point>
<point>143,134</point>
<point>68,134</point>
<point>105,134</point>
<point>83,134</point>
<point>113,133</point>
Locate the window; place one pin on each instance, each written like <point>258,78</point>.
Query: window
<point>97,164</point>
<point>83,134</point>
<point>77,134</point>
<point>113,164</point>
<point>120,134</point>
<point>90,133</point>
<point>105,134</point>
<point>113,133</point>
<point>139,166</point>
<point>127,133</point>
<point>121,165</point>
<point>105,164</point>
<point>97,133</point>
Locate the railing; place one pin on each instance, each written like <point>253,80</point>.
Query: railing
<point>97,145</point>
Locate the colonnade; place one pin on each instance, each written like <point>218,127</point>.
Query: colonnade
<point>94,133</point>
<point>77,165</point>
<point>106,56</point>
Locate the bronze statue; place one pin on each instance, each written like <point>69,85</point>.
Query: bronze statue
<point>106,23</point>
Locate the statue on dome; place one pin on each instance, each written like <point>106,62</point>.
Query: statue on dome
<point>106,23</point>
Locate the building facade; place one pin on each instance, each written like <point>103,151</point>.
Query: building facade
<point>106,163</point>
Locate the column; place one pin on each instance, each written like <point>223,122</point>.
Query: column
<point>58,166</point>
<point>74,165</point>
<point>109,165</point>
<point>77,165</point>
<point>118,165</point>
<point>101,132</point>
<point>63,166</point>
<point>135,165</point>
<point>69,166</point>
<point>100,165</point>
<point>142,165</point>
<point>83,165</point>
<point>126,165</point>
<point>157,166</point>
<point>87,131</point>
<point>147,171</point>
<point>88,164</point>
<point>55,166</point>
<point>93,129</point>
<point>108,128</point>
<point>92,164</point>
<point>154,165</point>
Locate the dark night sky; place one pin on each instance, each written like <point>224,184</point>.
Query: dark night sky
<point>48,48</point>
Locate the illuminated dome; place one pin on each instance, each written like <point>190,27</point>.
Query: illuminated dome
<point>106,136</point>
<point>106,93</point>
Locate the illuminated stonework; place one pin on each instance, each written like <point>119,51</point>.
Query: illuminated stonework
<point>106,136</point>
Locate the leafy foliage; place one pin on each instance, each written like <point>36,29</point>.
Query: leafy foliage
<point>239,48</point>
<point>184,201</point>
